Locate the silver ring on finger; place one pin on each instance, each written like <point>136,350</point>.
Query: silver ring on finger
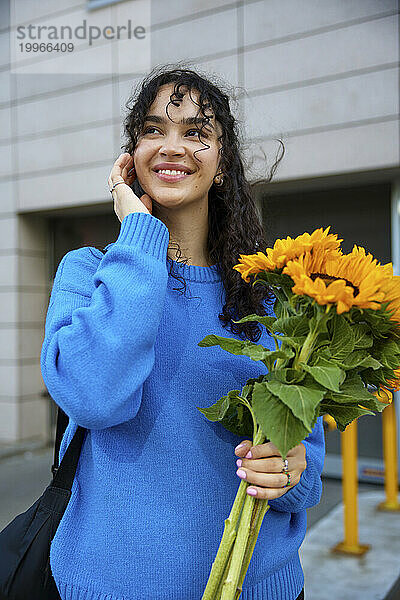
<point>285,466</point>
<point>288,480</point>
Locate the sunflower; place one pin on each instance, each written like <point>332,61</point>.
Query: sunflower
<point>250,264</point>
<point>319,241</point>
<point>347,280</point>
<point>391,289</point>
<point>383,395</point>
<point>393,383</point>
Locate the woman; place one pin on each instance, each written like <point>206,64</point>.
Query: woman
<point>156,479</point>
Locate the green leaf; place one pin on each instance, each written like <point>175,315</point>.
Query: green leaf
<point>358,358</point>
<point>289,375</point>
<point>217,411</point>
<point>267,321</point>
<point>316,415</point>
<point>285,353</point>
<point>323,340</point>
<point>278,308</point>
<point>247,390</point>
<point>251,382</point>
<point>326,373</point>
<point>342,342</point>
<point>294,342</point>
<point>300,399</point>
<point>353,360</point>
<point>389,354</point>
<point>278,279</point>
<point>370,362</point>
<point>318,323</point>
<point>296,325</point>
<point>231,413</point>
<point>379,320</point>
<point>247,348</point>
<point>238,347</point>
<point>378,377</point>
<point>352,390</point>
<point>276,420</point>
<point>373,404</point>
<point>362,335</point>
<point>342,413</point>
<point>322,353</point>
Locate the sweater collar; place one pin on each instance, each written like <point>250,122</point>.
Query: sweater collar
<point>195,272</point>
<point>191,272</point>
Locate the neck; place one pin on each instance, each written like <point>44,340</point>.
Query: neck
<point>187,226</point>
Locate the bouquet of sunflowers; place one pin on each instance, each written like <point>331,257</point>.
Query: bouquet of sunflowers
<point>337,350</point>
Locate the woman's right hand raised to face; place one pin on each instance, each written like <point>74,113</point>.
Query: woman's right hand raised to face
<point>125,200</point>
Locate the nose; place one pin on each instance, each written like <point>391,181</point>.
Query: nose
<point>172,146</point>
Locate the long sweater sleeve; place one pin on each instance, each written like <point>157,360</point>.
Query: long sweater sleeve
<point>102,322</point>
<point>308,491</point>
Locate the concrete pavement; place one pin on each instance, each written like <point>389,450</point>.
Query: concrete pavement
<point>369,577</point>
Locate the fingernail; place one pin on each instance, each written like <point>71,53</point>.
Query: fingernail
<point>252,492</point>
<point>239,462</point>
<point>240,446</point>
<point>240,473</point>
<point>249,455</point>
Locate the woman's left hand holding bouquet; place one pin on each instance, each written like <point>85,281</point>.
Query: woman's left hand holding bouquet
<point>265,468</point>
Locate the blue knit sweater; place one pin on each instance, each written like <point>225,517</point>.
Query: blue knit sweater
<point>155,479</point>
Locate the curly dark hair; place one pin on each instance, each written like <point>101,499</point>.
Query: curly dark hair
<point>234,225</point>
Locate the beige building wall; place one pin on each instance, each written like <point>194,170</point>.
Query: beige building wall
<point>321,75</point>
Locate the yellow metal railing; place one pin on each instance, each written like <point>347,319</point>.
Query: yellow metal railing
<point>350,545</point>
<point>391,502</point>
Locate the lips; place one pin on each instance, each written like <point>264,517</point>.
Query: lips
<point>172,177</point>
<point>172,167</point>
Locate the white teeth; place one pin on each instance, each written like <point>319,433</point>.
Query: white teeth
<point>172,172</point>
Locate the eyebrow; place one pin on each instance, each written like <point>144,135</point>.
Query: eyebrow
<point>183,121</point>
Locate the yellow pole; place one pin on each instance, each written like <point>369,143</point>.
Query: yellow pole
<point>330,422</point>
<point>350,545</point>
<point>391,503</point>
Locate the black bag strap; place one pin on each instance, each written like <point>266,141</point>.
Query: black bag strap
<point>62,422</point>
<point>63,474</point>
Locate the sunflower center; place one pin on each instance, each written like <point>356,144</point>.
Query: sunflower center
<point>330,278</point>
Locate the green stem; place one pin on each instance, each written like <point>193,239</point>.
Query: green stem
<point>246,403</point>
<point>221,583</point>
<point>228,538</point>
<point>283,299</point>
<point>276,344</point>
<point>306,349</point>
<point>280,362</point>
<point>239,549</point>
<point>260,508</point>
<point>309,342</point>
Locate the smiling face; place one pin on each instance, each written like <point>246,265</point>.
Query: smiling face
<point>175,142</point>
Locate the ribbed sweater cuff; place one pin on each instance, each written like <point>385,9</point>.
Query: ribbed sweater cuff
<point>285,583</point>
<point>146,233</point>
<point>295,499</point>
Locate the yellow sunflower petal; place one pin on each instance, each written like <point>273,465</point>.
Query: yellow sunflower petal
<point>391,290</point>
<point>322,244</point>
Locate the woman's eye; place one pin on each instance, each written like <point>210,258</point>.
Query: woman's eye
<point>149,129</point>
<point>197,131</point>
